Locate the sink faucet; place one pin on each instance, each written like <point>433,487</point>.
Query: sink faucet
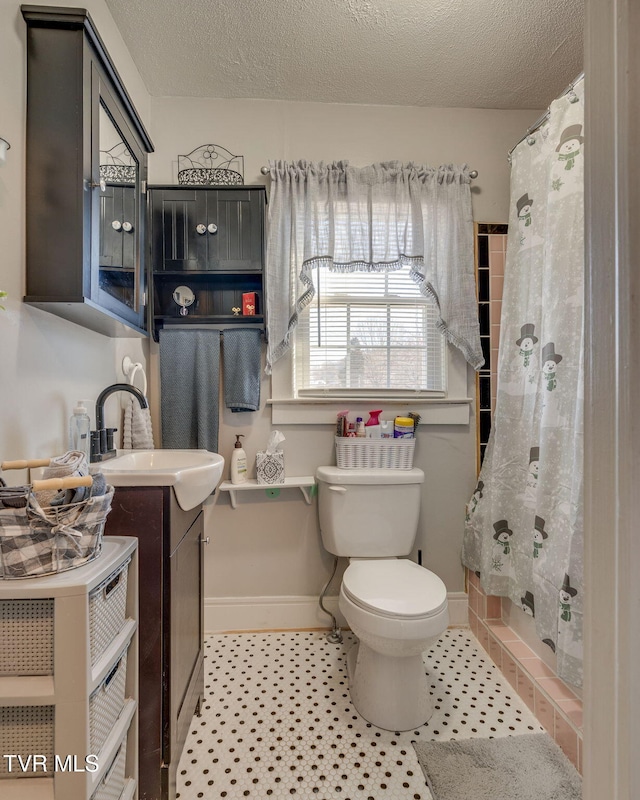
<point>102,438</point>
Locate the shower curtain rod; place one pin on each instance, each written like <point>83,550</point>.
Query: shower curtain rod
<point>544,117</point>
<point>472,173</point>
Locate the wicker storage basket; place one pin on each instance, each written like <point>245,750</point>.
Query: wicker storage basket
<point>106,703</point>
<point>111,786</point>
<point>361,453</point>
<point>37,540</point>
<point>107,610</point>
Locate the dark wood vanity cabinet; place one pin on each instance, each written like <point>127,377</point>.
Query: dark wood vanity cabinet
<point>86,154</point>
<point>211,240</point>
<point>171,636</point>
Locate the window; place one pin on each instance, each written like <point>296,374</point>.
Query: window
<point>368,333</point>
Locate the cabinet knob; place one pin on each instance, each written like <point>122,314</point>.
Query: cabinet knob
<point>201,229</point>
<point>212,227</point>
<point>127,226</point>
<point>116,225</point>
<point>204,541</point>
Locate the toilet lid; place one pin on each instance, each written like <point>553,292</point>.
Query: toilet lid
<point>395,588</point>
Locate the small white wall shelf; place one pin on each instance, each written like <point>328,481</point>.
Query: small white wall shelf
<point>306,484</point>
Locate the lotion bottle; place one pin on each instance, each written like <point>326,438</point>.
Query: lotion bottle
<point>238,462</point>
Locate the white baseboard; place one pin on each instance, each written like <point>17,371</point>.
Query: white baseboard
<point>291,613</point>
<point>458,609</point>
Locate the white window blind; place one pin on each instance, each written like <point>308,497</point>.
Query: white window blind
<point>368,332</point>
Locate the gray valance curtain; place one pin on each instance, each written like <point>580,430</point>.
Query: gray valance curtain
<point>381,217</point>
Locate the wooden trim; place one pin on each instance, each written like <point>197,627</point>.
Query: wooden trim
<point>612,389</point>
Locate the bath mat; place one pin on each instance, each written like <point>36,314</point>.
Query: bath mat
<point>529,767</point>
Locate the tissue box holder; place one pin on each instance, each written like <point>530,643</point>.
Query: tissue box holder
<point>270,467</point>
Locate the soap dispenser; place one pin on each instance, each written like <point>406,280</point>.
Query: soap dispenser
<point>79,429</point>
<point>238,462</point>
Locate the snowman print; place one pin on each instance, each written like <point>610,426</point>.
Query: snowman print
<point>569,147</point>
<point>526,341</point>
<point>550,360</point>
<point>475,498</point>
<point>567,593</point>
<point>539,536</point>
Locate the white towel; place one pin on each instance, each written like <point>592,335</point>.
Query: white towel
<point>137,433</point>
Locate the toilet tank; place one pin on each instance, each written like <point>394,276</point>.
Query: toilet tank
<point>369,513</point>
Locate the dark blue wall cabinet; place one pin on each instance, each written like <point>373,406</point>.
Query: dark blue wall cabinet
<point>86,178</point>
<point>211,241</point>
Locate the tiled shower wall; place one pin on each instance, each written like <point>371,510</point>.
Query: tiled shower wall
<point>491,249</point>
<point>556,706</point>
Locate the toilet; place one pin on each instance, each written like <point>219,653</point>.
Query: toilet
<point>396,608</point>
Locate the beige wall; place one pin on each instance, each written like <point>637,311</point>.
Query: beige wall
<point>272,547</point>
<point>46,363</point>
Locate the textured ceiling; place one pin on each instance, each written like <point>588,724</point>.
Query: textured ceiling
<point>466,53</point>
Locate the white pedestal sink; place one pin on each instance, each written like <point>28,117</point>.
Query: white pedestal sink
<point>194,474</point>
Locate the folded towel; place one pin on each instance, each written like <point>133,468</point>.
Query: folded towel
<point>189,388</point>
<point>13,496</point>
<point>137,433</point>
<point>73,462</point>
<point>241,353</point>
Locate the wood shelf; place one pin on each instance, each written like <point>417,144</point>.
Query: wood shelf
<point>306,484</point>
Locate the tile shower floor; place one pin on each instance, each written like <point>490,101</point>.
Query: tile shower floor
<point>278,722</point>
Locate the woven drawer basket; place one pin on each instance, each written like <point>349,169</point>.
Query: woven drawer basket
<point>361,453</point>
<point>107,610</point>
<point>26,730</point>
<point>112,784</point>
<point>28,625</point>
<point>106,703</point>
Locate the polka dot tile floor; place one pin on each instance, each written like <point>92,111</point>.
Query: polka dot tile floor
<point>278,722</point>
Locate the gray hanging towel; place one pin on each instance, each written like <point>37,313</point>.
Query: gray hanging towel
<point>189,388</point>
<point>241,359</point>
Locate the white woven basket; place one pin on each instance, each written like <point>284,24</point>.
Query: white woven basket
<point>107,610</point>
<point>360,453</point>
<point>106,703</point>
<point>111,786</point>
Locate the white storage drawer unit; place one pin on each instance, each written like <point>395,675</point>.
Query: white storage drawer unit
<point>69,681</point>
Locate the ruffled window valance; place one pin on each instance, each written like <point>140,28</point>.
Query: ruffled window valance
<point>381,217</point>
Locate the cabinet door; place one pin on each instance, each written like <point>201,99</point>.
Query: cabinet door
<point>176,244</point>
<point>117,263</point>
<point>117,227</point>
<point>186,639</point>
<point>239,217</point>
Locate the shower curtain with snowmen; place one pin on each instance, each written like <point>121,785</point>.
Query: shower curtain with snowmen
<point>524,522</point>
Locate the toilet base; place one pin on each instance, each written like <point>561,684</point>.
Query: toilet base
<point>389,692</point>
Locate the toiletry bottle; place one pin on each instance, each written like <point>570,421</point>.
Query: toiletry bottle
<point>360,427</point>
<point>238,462</point>
<point>79,429</point>
<point>372,425</point>
<point>386,429</point>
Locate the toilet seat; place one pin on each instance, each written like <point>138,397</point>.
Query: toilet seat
<point>394,588</point>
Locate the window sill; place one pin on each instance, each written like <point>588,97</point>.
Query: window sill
<point>324,410</point>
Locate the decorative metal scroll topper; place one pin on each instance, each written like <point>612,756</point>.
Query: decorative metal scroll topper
<point>211,165</point>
